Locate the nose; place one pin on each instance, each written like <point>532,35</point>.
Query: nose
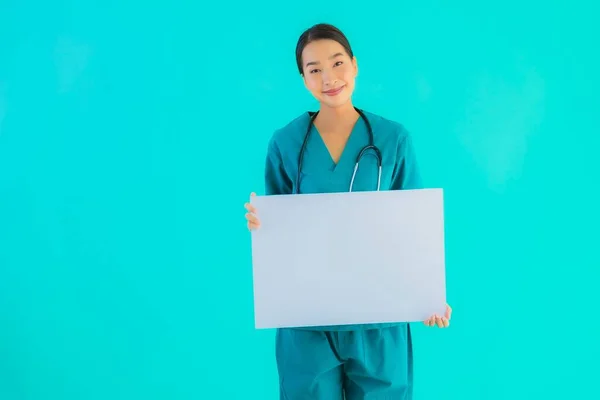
<point>329,78</point>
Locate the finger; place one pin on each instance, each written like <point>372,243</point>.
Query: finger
<point>252,218</point>
<point>448,312</point>
<point>438,321</point>
<point>250,208</point>
<point>249,205</point>
<point>253,224</point>
<point>445,322</point>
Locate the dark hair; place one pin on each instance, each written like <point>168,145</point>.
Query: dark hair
<point>318,32</point>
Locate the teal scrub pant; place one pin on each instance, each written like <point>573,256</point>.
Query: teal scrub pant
<point>371,364</point>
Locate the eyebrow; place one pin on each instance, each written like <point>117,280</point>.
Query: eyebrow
<point>316,62</point>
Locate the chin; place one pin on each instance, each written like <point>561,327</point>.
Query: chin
<point>335,102</point>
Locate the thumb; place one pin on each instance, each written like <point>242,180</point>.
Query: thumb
<point>448,312</point>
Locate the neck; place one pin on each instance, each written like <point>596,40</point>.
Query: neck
<point>334,116</point>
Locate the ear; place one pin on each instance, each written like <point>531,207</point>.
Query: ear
<point>355,64</point>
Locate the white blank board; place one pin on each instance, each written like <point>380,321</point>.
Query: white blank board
<point>348,258</point>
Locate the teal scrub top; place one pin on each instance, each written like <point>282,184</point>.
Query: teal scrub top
<point>320,174</point>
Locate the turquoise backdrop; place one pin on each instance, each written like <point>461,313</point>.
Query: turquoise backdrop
<point>132,132</point>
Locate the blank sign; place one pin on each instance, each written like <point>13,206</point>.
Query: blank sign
<point>348,258</point>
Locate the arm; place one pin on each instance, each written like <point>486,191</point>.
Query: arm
<point>407,174</point>
<point>276,179</point>
<point>276,182</point>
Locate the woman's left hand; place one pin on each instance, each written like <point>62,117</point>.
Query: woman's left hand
<point>440,322</point>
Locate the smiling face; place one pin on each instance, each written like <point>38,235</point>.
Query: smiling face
<point>329,72</point>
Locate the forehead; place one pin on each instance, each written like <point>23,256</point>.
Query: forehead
<point>322,49</point>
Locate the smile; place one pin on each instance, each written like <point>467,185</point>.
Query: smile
<point>334,92</point>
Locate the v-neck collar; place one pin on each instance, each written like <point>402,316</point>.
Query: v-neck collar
<point>333,166</point>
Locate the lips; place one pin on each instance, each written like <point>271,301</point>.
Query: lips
<point>333,92</point>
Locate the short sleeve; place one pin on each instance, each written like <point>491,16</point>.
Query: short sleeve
<point>276,179</point>
<point>407,174</point>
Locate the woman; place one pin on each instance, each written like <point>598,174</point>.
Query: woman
<point>371,361</point>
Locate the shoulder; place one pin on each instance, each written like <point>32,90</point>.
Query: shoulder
<point>392,138</point>
<point>290,133</point>
<point>387,130</point>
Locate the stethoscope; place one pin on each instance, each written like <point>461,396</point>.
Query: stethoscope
<point>370,146</point>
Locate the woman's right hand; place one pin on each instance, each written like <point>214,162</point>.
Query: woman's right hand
<point>251,217</point>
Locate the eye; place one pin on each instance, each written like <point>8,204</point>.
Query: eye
<point>312,71</point>
<point>338,63</point>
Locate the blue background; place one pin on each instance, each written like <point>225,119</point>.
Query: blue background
<point>132,132</point>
